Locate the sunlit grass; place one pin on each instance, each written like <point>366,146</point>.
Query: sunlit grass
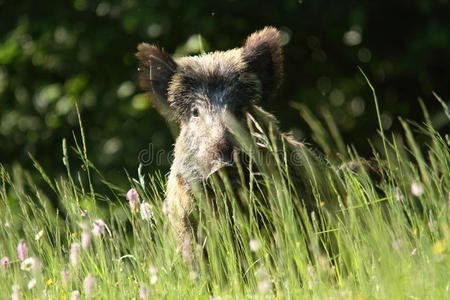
<point>387,237</point>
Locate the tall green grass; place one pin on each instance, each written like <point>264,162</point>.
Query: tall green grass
<point>387,237</point>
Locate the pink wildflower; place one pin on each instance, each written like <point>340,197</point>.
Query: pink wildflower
<point>133,199</point>
<point>89,285</point>
<point>5,262</point>
<point>65,276</point>
<point>99,227</point>
<point>85,239</point>
<point>143,292</point>
<point>22,250</point>
<point>74,254</point>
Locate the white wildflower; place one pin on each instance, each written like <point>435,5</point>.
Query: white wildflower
<point>254,245</point>
<point>39,235</point>
<point>416,189</point>
<point>31,283</point>
<point>75,295</point>
<point>28,264</point>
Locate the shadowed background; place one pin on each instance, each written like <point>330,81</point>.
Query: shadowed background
<point>54,54</point>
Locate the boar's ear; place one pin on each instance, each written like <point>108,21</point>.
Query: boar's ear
<point>262,53</point>
<point>156,69</point>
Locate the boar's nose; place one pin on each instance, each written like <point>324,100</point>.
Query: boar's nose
<point>221,155</point>
<point>225,150</point>
<point>226,159</point>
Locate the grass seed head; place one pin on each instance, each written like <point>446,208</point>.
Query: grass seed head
<point>146,211</point>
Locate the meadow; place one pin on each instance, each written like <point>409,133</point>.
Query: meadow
<point>387,238</point>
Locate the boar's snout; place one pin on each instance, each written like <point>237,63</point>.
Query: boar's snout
<point>221,155</point>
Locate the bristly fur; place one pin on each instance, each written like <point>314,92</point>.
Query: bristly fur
<point>217,79</point>
<point>263,54</point>
<point>156,69</point>
<point>203,93</point>
<point>251,73</point>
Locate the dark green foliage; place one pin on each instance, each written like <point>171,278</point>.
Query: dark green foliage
<point>54,54</point>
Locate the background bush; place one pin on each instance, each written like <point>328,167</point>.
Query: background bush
<point>54,54</point>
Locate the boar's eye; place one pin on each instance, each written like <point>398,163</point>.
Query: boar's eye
<point>195,112</point>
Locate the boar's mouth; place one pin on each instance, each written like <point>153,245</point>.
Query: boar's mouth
<point>227,169</point>
<point>219,166</point>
